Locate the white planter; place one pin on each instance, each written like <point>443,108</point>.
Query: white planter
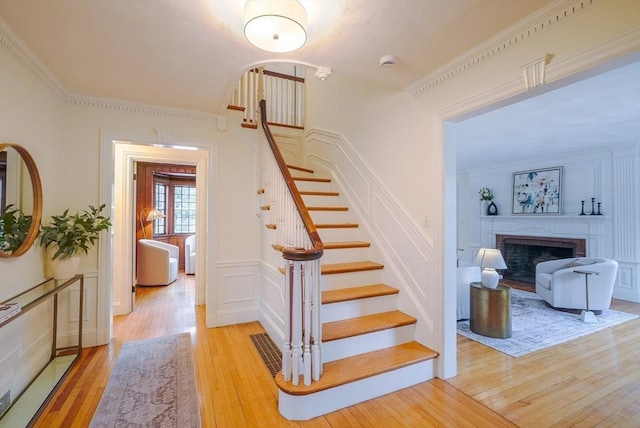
<point>62,268</point>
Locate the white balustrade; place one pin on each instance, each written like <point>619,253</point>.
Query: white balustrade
<point>302,350</point>
<point>284,95</point>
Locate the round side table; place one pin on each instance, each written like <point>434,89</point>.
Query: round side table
<point>490,310</point>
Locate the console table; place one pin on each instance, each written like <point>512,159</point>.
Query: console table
<point>490,310</point>
<point>26,406</point>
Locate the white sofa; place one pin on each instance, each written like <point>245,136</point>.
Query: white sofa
<point>562,288</point>
<point>465,276</point>
<point>157,262</point>
<point>190,255</point>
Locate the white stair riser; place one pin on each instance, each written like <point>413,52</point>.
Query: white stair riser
<point>322,201</point>
<point>339,234</point>
<point>345,255</point>
<point>350,346</point>
<point>305,407</point>
<point>297,173</point>
<point>359,307</point>
<point>323,217</point>
<point>314,186</point>
<point>352,279</point>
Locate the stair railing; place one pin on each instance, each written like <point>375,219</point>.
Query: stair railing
<point>285,95</point>
<point>301,248</point>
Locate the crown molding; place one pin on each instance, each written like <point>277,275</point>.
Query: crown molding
<point>16,47</point>
<point>548,17</point>
<point>131,107</point>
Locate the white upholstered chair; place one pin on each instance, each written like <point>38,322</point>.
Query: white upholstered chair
<point>563,288</point>
<point>190,255</point>
<point>157,262</point>
<point>465,276</point>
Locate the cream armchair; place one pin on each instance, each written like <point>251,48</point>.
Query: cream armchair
<point>157,262</point>
<point>465,276</point>
<point>190,255</point>
<point>560,286</point>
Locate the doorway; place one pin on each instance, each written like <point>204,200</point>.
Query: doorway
<point>118,159</point>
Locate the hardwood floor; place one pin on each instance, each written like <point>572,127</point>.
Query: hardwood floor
<point>590,381</point>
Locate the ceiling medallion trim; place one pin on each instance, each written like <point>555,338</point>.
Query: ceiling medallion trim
<point>535,24</point>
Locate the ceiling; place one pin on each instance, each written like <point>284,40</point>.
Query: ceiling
<point>188,54</point>
<point>601,110</point>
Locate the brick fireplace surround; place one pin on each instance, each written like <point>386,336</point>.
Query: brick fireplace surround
<point>522,253</point>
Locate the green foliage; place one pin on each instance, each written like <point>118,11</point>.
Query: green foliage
<point>14,226</point>
<point>70,234</point>
<point>486,194</point>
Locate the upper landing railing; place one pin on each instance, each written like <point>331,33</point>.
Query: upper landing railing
<point>284,96</point>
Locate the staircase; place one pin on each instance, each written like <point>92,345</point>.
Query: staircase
<point>368,346</point>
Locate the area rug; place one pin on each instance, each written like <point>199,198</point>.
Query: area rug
<point>269,352</point>
<point>535,326</point>
<point>152,385</point>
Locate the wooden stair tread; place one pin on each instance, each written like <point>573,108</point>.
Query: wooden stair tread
<point>355,293</point>
<point>300,168</point>
<point>314,179</point>
<point>249,125</point>
<point>366,324</point>
<point>317,193</point>
<point>345,244</point>
<point>279,247</point>
<point>334,268</point>
<point>347,370</point>
<point>265,207</point>
<point>328,208</point>
<point>337,226</point>
<point>271,226</point>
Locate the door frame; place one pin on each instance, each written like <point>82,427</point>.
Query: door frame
<point>119,152</point>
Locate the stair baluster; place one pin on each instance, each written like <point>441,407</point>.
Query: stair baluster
<point>302,249</point>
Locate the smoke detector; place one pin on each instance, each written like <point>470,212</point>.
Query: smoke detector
<point>388,61</point>
<point>323,72</point>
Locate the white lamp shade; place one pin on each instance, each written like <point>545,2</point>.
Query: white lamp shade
<point>489,260</point>
<point>275,25</point>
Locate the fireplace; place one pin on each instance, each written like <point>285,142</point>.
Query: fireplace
<point>523,253</point>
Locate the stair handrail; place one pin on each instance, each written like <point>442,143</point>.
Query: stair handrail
<point>288,253</point>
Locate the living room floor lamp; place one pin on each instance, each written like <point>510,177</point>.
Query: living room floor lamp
<point>153,214</point>
<point>489,260</point>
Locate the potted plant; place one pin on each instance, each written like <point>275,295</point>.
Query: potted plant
<point>68,235</point>
<point>14,226</point>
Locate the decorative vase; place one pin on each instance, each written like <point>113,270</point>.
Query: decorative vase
<point>492,209</point>
<point>61,268</point>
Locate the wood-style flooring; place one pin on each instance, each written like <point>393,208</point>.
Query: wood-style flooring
<point>592,381</point>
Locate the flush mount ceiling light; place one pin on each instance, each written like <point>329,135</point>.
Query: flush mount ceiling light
<point>276,25</point>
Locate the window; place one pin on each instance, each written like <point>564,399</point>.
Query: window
<point>175,197</point>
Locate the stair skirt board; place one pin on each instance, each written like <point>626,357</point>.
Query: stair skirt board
<point>304,407</point>
<point>369,342</point>
<point>357,308</point>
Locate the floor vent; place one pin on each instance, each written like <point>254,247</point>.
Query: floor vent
<point>268,351</point>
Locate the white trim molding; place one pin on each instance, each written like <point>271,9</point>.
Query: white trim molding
<point>551,16</point>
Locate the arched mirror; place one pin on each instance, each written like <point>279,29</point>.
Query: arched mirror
<point>20,200</point>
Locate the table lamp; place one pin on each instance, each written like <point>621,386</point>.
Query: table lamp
<point>489,260</point>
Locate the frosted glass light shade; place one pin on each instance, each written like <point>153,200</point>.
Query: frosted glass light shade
<point>275,26</point>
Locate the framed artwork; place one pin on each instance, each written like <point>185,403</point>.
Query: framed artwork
<point>537,192</point>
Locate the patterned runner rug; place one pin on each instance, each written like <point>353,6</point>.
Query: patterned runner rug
<point>152,385</point>
<point>535,326</point>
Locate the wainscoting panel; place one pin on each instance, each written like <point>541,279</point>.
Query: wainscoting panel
<point>68,301</point>
<point>237,292</point>
<point>397,242</point>
<point>272,302</point>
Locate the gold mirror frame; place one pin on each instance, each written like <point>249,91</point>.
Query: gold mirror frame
<point>36,187</point>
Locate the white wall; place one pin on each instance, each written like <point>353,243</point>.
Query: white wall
<point>62,133</point>
<point>401,139</point>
